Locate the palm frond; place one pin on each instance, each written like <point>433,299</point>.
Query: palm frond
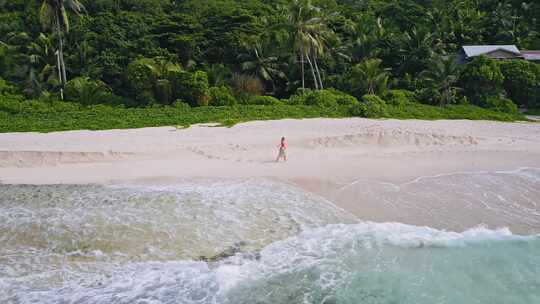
<point>47,15</point>
<point>75,6</point>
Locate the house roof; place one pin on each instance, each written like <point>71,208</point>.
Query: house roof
<point>477,50</point>
<point>531,55</point>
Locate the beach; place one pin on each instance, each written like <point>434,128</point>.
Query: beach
<point>342,160</point>
<point>378,211</point>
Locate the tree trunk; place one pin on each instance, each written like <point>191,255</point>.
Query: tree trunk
<point>302,64</point>
<point>59,73</point>
<point>318,72</point>
<point>63,78</point>
<point>59,65</point>
<point>371,88</point>
<point>315,81</point>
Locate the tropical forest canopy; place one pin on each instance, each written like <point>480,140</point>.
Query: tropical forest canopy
<point>140,53</point>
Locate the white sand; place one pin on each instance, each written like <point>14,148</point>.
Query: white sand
<point>323,153</point>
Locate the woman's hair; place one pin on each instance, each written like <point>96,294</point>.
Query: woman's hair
<point>283,138</point>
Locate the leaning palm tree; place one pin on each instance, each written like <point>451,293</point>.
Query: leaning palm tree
<point>301,15</point>
<point>319,37</point>
<point>53,15</point>
<point>309,36</point>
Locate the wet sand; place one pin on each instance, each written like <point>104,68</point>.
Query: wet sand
<point>380,170</point>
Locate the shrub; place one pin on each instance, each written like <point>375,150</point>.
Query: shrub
<point>344,99</point>
<point>191,87</point>
<point>422,111</point>
<point>482,78</point>
<point>62,106</point>
<point>141,78</point>
<point>87,92</point>
<point>299,97</point>
<point>99,117</point>
<point>400,97</point>
<point>11,103</point>
<point>264,100</point>
<point>322,98</point>
<point>6,88</point>
<point>246,86</point>
<point>16,104</point>
<point>504,105</point>
<point>218,74</point>
<point>221,96</point>
<point>151,80</point>
<point>180,104</point>
<point>522,81</point>
<point>101,108</point>
<point>36,106</point>
<point>372,106</point>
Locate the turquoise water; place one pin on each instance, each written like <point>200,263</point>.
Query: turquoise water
<point>243,241</point>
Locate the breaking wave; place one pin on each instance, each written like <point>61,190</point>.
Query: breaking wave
<point>242,241</point>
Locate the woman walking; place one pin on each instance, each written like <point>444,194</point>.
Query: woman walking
<point>282,150</point>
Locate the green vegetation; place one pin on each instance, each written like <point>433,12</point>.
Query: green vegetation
<point>482,81</point>
<point>372,106</point>
<point>106,117</point>
<point>72,64</point>
<point>39,116</point>
<point>522,82</point>
<point>427,112</point>
<point>535,112</point>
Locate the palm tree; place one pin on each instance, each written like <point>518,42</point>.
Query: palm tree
<point>370,77</point>
<point>33,62</point>
<point>153,78</point>
<point>53,15</point>
<point>309,33</point>
<point>86,91</point>
<point>41,66</point>
<point>367,37</point>
<point>413,50</point>
<point>81,56</point>
<point>163,67</point>
<point>297,14</point>
<point>268,69</point>
<point>317,47</point>
<point>442,78</point>
<point>218,75</point>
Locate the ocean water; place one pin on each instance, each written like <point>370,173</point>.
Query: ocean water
<point>456,201</point>
<point>243,241</point>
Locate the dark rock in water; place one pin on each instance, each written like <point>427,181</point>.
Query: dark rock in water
<point>229,252</point>
<point>254,255</point>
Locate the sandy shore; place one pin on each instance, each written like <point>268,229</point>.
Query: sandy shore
<point>324,154</point>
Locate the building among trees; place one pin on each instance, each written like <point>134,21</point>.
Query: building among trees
<point>500,52</point>
<point>533,56</point>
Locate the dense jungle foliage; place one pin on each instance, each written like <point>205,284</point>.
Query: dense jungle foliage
<point>376,58</point>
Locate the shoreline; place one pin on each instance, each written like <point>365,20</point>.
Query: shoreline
<point>324,155</point>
